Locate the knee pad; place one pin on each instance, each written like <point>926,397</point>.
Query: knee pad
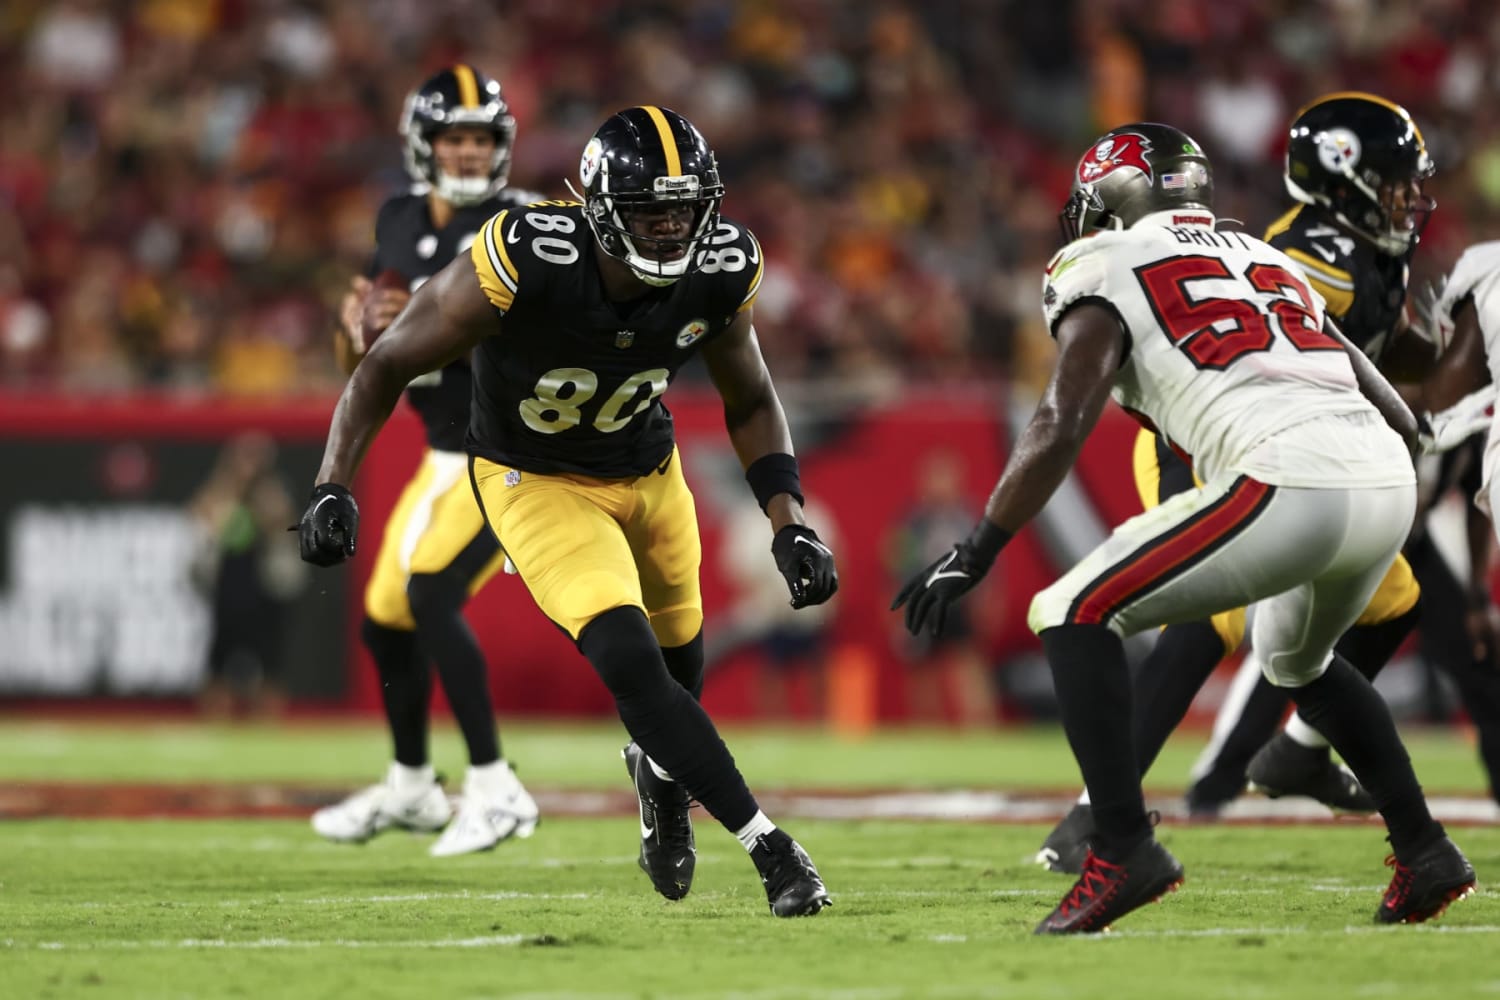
<point>624,653</point>
<point>436,594</point>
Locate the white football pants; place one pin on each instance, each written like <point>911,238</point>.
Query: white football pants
<point>1311,557</point>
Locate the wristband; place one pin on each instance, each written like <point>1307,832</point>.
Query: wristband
<point>986,541</point>
<point>773,474</point>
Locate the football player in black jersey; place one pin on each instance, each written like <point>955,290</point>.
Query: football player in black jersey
<point>1356,164</point>
<point>437,550</point>
<point>579,316</point>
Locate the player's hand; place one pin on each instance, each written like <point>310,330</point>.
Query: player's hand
<point>381,308</point>
<point>1475,413</point>
<point>930,593</point>
<point>1431,320</point>
<point>329,525</point>
<point>351,312</point>
<point>807,564</point>
<point>1484,642</point>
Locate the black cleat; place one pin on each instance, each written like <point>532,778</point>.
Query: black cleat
<point>1422,890</point>
<point>1105,892</point>
<point>793,886</point>
<point>1285,767</point>
<point>668,853</point>
<point>1068,843</point>
<point>1208,796</point>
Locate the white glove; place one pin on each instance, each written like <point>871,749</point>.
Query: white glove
<point>1452,427</point>
<point>1432,321</point>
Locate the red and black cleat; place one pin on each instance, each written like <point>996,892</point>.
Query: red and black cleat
<point>1421,890</point>
<point>1105,892</point>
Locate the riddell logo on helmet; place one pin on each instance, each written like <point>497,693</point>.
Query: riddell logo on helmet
<point>1127,149</point>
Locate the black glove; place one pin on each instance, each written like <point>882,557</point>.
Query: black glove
<point>806,563</point>
<point>930,593</point>
<point>329,525</point>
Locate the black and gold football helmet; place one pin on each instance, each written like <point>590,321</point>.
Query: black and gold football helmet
<point>648,160</point>
<point>459,95</point>
<point>1133,171</point>
<point>1362,158</point>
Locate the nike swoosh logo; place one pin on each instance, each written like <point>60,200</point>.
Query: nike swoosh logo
<point>321,502</point>
<point>942,572</point>
<point>510,237</point>
<point>646,832</point>
<point>819,546</point>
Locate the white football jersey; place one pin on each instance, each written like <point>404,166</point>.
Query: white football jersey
<point>1477,274</point>
<point>1226,353</point>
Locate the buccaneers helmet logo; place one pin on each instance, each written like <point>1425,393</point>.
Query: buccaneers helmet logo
<point>1124,149</point>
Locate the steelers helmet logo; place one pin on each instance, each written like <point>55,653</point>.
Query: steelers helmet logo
<point>1338,150</point>
<point>588,166</point>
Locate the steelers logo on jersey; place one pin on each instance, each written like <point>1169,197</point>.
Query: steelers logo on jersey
<point>691,332</point>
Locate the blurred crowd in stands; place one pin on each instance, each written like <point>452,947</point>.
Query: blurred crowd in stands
<point>186,185</point>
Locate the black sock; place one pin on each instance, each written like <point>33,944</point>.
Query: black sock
<point>1169,678</point>
<point>1343,706</point>
<point>685,664</point>
<point>1368,648</point>
<point>662,716</point>
<point>1092,681</point>
<point>437,601</point>
<point>405,687</point>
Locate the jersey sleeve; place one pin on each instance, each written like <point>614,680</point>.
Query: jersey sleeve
<point>385,223</point>
<point>1078,273</point>
<point>755,265</point>
<point>1476,275</point>
<point>492,263</point>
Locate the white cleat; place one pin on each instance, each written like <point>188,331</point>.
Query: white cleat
<point>380,807</point>
<point>487,815</point>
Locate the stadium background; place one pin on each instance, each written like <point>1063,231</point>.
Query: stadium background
<point>185,186</point>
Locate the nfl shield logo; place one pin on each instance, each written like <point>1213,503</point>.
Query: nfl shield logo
<point>512,477</point>
<point>624,339</point>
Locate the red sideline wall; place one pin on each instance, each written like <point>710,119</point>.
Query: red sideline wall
<point>865,473</point>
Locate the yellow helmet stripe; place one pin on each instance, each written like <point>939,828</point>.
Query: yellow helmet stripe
<point>668,144</point>
<point>468,87</point>
<point>1362,95</point>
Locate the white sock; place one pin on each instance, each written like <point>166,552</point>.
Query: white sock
<point>758,826</point>
<point>1306,735</point>
<point>491,780</point>
<point>656,769</point>
<point>409,780</point>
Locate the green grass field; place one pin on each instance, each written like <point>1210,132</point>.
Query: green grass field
<point>253,907</point>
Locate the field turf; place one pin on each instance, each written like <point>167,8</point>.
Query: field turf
<point>253,907</point>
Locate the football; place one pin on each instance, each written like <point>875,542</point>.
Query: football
<point>392,279</point>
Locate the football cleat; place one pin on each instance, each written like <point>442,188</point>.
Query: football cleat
<point>793,886</point>
<point>380,807</point>
<point>1068,843</point>
<point>668,851</point>
<point>486,816</point>
<point>1422,890</point>
<point>1105,892</point>
<point>1285,767</point>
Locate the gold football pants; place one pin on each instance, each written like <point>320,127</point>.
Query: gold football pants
<point>584,545</point>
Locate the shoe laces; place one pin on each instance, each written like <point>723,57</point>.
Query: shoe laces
<point>1401,881</point>
<point>1098,880</point>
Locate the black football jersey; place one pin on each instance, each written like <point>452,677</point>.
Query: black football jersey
<point>1365,289</point>
<point>406,241</point>
<point>572,382</point>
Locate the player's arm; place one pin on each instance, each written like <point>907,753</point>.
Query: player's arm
<point>1408,356</point>
<point>758,430</point>
<point>1375,388</point>
<point>444,320</point>
<point>752,410</point>
<point>1091,346</point>
<point>1462,368</point>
